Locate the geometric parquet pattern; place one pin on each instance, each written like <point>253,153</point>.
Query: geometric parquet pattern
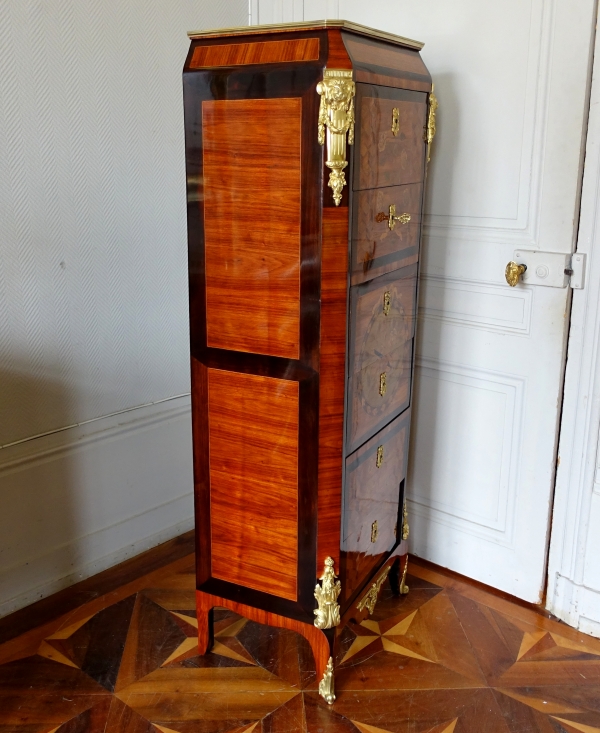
<point>446,658</point>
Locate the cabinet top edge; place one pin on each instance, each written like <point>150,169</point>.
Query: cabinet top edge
<point>362,30</point>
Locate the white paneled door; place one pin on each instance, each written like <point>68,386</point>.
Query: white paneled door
<point>512,78</point>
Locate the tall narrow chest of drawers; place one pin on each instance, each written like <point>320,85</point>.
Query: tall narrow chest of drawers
<point>306,151</point>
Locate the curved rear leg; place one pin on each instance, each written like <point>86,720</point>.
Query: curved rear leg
<point>205,613</point>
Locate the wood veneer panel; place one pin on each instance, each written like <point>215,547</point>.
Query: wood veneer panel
<point>265,52</point>
<point>253,442</point>
<point>389,57</point>
<point>377,62</point>
<point>331,381</point>
<point>380,343</point>
<point>337,55</point>
<point>377,249</point>
<point>252,216</point>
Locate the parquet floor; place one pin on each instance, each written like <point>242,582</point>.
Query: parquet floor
<point>447,658</point>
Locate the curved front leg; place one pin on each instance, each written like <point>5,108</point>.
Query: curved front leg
<point>321,641</point>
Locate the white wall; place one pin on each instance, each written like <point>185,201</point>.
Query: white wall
<point>93,284</point>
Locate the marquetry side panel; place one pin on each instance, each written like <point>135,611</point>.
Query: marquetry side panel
<point>381,346</point>
<point>331,380</point>
<point>253,443</point>
<point>252,175</point>
<point>385,159</point>
<point>374,475</point>
<point>265,52</point>
<point>377,249</point>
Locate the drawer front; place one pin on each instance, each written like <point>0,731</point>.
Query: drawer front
<point>373,497</point>
<point>389,153</point>
<point>380,241</point>
<point>382,325</point>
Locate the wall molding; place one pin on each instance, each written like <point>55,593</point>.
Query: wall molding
<point>42,447</point>
<point>147,450</point>
<point>498,529</point>
<point>469,313</point>
<point>523,230</point>
<point>85,547</point>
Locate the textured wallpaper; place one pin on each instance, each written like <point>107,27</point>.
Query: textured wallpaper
<point>93,283</point>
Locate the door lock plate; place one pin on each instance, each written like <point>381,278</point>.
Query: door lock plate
<point>543,268</point>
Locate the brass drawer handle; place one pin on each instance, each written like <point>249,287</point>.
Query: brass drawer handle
<point>379,459</point>
<point>374,531</point>
<point>395,121</point>
<point>387,303</point>
<point>391,218</point>
<point>382,383</point>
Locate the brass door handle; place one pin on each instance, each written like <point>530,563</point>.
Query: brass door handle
<point>513,272</point>
<point>391,218</point>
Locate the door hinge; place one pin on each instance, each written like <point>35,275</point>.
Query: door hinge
<point>552,269</point>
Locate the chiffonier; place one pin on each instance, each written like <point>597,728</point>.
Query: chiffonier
<point>306,151</point>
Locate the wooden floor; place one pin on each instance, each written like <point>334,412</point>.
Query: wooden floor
<point>449,657</point>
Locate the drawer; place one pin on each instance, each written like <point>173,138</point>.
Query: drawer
<point>386,155</point>
<point>373,498</point>
<point>381,244</point>
<point>382,325</point>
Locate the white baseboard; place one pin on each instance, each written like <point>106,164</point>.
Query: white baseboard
<point>576,605</point>
<point>80,501</point>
